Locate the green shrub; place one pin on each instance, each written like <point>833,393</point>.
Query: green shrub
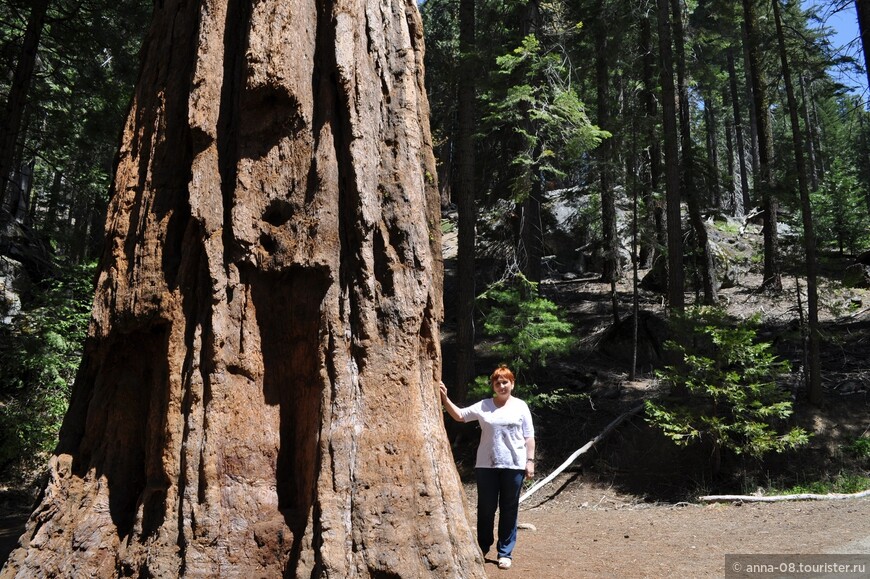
<point>528,330</point>
<point>860,447</point>
<point>730,397</point>
<point>40,352</point>
<point>845,483</point>
<point>538,103</point>
<point>530,394</point>
<point>840,209</point>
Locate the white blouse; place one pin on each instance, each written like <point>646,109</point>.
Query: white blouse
<point>503,432</point>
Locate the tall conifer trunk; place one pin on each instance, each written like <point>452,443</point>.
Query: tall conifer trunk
<point>13,115</point>
<point>808,137</point>
<point>738,137</point>
<point>604,160</point>
<point>687,162</point>
<point>750,98</point>
<point>466,195</point>
<point>610,267</point>
<point>652,154</point>
<point>863,9</point>
<point>258,393</point>
<point>765,184</point>
<point>814,382</point>
<point>676,281</point>
<point>711,126</point>
<point>531,239</point>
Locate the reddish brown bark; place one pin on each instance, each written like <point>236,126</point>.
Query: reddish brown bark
<point>258,394</point>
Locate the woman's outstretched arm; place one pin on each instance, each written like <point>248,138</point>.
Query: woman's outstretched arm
<point>452,409</point>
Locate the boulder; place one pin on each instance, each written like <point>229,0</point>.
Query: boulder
<point>857,275</point>
<point>652,332</point>
<point>13,282</point>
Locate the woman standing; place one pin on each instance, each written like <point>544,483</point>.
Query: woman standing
<point>505,456</point>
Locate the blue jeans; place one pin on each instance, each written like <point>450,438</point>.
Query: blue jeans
<point>498,487</point>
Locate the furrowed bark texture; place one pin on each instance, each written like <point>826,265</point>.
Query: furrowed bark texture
<point>257,396</point>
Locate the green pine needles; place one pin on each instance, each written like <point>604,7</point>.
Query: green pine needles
<point>40,351</point>
<point>841,209</point>
<point>724,390</point>
<point>540,105</point>
<point>529,330</point>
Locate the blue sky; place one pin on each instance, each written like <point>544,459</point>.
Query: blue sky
<point>843,20</point>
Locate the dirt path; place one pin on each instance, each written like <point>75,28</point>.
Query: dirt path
<point>11,526</point>
<point>590,532</point>
<point>689,541</point>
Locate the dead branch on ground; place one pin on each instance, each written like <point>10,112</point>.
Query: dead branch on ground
<point>780,498</point>
<point>604,433</point>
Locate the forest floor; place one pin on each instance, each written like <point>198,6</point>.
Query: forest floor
<point>629,508</point>
<point>14,510</point>
<point>579,528</point>
<point>584,528</point>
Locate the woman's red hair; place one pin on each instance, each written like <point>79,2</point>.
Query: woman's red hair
<point>502,372</point>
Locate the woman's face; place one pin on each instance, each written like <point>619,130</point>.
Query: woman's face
<point>502,387</point>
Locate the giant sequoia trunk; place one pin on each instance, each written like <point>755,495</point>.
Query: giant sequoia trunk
<point>257,396</point>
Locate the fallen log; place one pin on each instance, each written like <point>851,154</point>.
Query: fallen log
<point>752,215</point>
<point>779,498</point>
<point>610,428</point>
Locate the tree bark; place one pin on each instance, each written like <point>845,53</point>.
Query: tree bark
<point>863,9</point>
<point>610,270</point>
<point>652,175</point>
<point>772,275</point>
<point>687,162</point>
<point>738,137</point>
<point>258,392</point>
<point>814,382</point>
<point>531,238</point>
<point>531,234</point>
<point>808,137</point>
<point>466,204</point>
<point>753,115</point>
<point>711,126</point>
<point>676,282</point>
<point>10,124</point>
<point>821,169</point>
